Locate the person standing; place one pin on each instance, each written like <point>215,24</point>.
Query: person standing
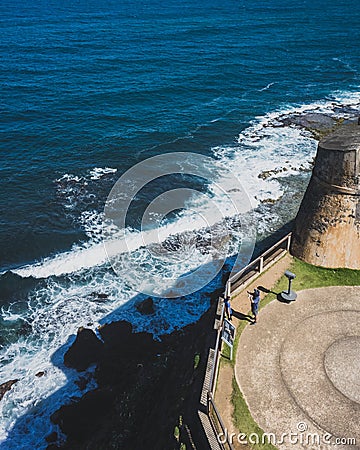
<point>228,308</point>
<point>227,296</point>
<point>255,302</point>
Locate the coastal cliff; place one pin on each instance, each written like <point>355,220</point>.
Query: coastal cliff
<point>147,393</point>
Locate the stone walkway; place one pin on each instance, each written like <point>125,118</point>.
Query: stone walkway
<point>241,307</point>
<point>299,369</point>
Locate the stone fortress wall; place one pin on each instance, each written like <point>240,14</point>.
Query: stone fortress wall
<point>327,226</point>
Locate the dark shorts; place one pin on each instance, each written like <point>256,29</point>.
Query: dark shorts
<point>254,308</point>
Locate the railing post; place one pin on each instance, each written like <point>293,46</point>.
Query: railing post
<point>261,264</point>
<point>288,243</point>
<point>228,289</point>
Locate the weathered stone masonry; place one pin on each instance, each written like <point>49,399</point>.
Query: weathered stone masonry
<point>327,227</point>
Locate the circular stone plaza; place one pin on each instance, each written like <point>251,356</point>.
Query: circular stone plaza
<point>299,369</point>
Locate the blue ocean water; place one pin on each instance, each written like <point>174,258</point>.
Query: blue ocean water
<point>88,89</point>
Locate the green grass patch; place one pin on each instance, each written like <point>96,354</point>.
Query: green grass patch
<point>176,432</point>
<point>308,276</point>
<point>246,424</point>
<point>196,360</point>
<point>225,351</point>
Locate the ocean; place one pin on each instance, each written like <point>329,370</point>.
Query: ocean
<point>90,89</point>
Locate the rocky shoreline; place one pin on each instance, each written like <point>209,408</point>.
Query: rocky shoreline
<point>148,391</point>
<point>318,124</point>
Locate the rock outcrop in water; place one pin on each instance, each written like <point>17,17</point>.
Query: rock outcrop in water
<point>4,387</point>
<point>146,307</point>
<point>85,351</point>
<point>327,227</point>
<point>146,388</point>
<point>318,124</point>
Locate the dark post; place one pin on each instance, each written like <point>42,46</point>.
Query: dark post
<point>290,295</point>
<point>289,288</point>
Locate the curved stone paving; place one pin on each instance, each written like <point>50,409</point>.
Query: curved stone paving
<point>342,365</point>
<point>299,369</point>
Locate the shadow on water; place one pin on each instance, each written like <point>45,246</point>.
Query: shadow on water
<point>25,426</point>
<point>31,423</point>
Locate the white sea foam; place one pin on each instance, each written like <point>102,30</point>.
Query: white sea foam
<point>67,177</point>
<point>265,147</point>
<point>77,190</point>
<point>94,254</point>
<point>60,305</point>
<point>99,172</point>
<point>9,316</point>
<point>268,86</point>
<point>199,215</point>
<point>264,155</point>
<point>268,147</point>
<point>79,258</point>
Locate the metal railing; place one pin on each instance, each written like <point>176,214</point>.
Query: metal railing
<point>218,424</point>
<point>212,411</point>
<point>215,367</point>
<point>245,276</point>
<point>236,283</point>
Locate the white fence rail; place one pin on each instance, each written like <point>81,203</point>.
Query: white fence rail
<point>238,281</point>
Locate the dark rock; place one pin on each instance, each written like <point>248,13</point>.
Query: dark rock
<point>82,383</point>
<point>268,201</point>
<point>86,350</point>
<point>317,123</point>
<point>4,387</point>
<point>170,294</point>
<point>159,325</point>
<point>144,385</point>
<point>25,329</point>
<point>99,296</point>
<point>347,110</point>
<point>80,419</point>
<point>146,307</point>
<point>52,437</point>
<point>40,374</point>
<point>115,332</point>
<point>123,343</point>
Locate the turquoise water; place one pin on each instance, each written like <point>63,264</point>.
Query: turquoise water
<point>91,88</point>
